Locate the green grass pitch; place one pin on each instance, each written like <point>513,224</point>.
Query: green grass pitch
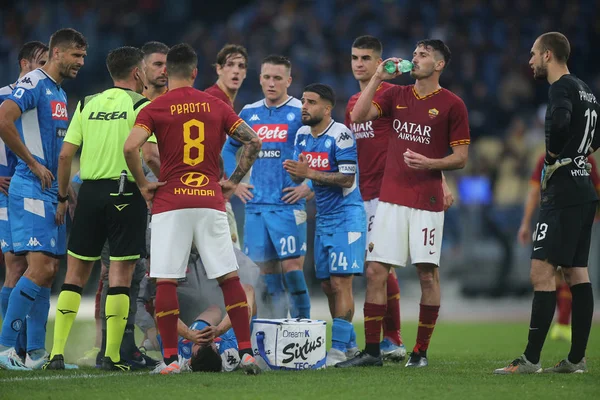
<point>462,357</point>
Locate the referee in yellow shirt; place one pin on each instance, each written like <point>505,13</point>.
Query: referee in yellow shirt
<point>109,204</point>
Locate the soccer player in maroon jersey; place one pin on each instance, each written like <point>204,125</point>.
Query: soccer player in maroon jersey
<point>372,139</point>
<point>188,202</point>
<point>231,66</point>
<point>562,329</point>
<point>426,120</point>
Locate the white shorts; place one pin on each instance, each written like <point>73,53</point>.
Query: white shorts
<point>370,208</point>
<point>235,237</point>
<point>400,232</point>
<point>173,233</point>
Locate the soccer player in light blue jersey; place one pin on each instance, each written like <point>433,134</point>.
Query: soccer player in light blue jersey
<point>325,153</point>
<point>275,229</point>
<point>32,55</point>
<point>33,122</point>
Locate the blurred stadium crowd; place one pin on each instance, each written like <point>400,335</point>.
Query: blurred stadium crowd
<point>490,42</point>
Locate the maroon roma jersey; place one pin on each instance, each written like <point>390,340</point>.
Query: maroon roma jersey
<point>190,128</point>
<point>428,125</point>
<point>372,139</point>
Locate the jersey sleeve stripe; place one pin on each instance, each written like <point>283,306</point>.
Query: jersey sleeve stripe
<point>534,182</point>
<point>139,103</point>
<point>144,127</point>
<point>460,142</point>
<point>235,126</point>
<point>379,110</point>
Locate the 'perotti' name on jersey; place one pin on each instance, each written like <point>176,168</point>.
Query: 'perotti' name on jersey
<point>412,132</point>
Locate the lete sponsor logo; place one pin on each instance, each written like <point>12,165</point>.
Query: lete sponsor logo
<point>59,110</point>
<point>318,160</point>
<point>272,132</point>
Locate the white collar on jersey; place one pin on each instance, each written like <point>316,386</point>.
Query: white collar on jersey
<point>280,105</point>
<point>327,129</point>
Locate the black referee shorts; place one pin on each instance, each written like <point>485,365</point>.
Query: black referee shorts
<point>102,214</point>
<point>563,235</point>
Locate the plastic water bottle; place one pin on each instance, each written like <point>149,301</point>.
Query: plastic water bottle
<point>403,66</point>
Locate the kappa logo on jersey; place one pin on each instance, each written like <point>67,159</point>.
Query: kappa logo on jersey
<point>26,80</point>
<point>194,179</point>
<point>254,117</point>
<point>412,132</point>
<point>33,242</point>
<point>272,133</point>
<point>269,154</point>
<point>317,160</point>
<point>59,110</point>
<point>48,92</point>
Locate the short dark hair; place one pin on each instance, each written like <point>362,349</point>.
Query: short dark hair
<point>557,43</point>
<point>230,49</point>
<point>67,37</point>
<point>206,359</point>
<point>122,60</point>
<point>324,91</point>
<point>278,60</point>
<point>154,47</point>
<point>439,46</point>
<point>368,42</point>
<point>32,50</point>
<point>181,61</point>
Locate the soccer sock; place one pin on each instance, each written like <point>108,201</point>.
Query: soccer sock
<point>128,346</point>
<point>67,307</point>
<point>374,314</point>
<point>391,321</point>
<point>236,306</point>
<point>117,310</point>
<point>583,311</point>
<point>19,305</point>
<point>563,303</point>
<point>274,284</point>
<point>296,285</point>
<point>98,300</point>
<point>37,319</point>
<point>428,316</point>
<point>341,331</point>
<point>102,351</point>
<point>352,343</point>
<point>542,312</point>
<point>167,315</point>
<point>4,295</point>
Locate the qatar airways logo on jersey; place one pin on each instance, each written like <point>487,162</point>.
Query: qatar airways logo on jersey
<point>363,131</point>
<point>59,110</point>
<point>413,132</point>
<point>317,160</point>
<point>270,133</point>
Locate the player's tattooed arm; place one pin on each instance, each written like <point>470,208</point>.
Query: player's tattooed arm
<point>331,178</point>
<point>299,170</point>
<point>251,147</point>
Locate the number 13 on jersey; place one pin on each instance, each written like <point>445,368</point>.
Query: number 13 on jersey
<point>193,148</point>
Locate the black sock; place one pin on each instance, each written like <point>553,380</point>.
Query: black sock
<point>245,351</point>
<point>128,346</point>
<point>100,355</point>
<point>171,359</point>
<point>581,319</point>
<point>542,312</point>
<point>372,349</point>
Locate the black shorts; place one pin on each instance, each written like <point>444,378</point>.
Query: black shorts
<point>102,214</point>
<point>562,235</point>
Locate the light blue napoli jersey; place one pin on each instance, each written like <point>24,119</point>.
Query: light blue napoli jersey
<point>338,209</point>
<point>276,127</point>
<point>8,159</point>
<point>42,126</point>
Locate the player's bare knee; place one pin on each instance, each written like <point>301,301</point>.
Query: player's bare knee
<point>428,275</point>
<point>577,275</point>
<point>270,267</point>
<point>542,276</point>
<point>340,284</point>
<point>229,275</point>
<point>376,274</point>
<point>292,264</point>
